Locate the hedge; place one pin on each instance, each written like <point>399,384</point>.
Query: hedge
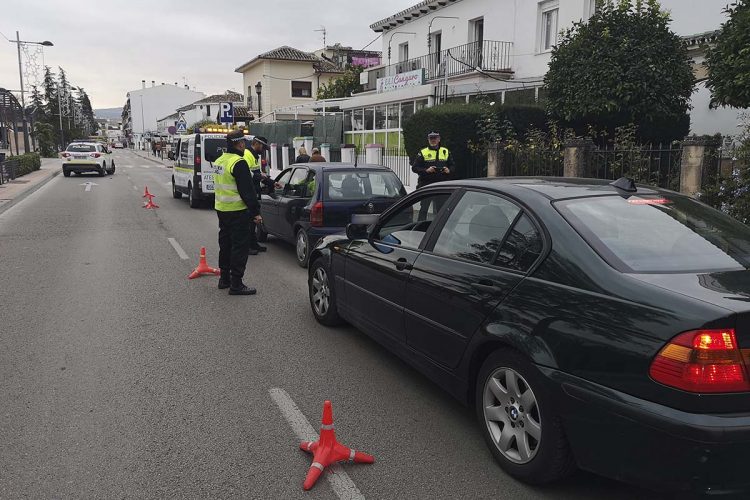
<point>457,124</point>
<point>664,129</point>
<point>27,163</point>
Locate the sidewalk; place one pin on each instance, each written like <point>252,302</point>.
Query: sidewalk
<point>14,191</point>
<point>147,156</point>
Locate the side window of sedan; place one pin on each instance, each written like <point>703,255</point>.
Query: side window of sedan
<point>283,179</point>
<point>408,226</point>
<point>522,247</point>
<point>476,228</point>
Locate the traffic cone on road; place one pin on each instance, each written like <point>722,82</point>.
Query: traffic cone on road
<point>146,194</point>
<point>327,451</point>
<point>203,267</point>
<point>150,204</point>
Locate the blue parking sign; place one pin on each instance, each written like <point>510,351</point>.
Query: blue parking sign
<point>226,112</point>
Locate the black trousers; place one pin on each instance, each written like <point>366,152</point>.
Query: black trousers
<point>253,239</point>
<point>234,242</point>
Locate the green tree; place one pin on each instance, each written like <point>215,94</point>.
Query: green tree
<point>37,104</point>
<point>343,86</point>
<point>728,61</point>
<point>44,134</point>
<point>623,66</point>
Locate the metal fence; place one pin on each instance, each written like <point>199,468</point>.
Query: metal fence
<point>398,161</point>
<point>534,162</point>
<point>8,170</point>
<point>658,166</point>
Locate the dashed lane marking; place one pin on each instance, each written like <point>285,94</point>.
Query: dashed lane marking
<point>339,480</point>
<point>178,248</point>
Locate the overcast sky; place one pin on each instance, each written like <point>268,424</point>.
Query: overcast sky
<point>108,47</point>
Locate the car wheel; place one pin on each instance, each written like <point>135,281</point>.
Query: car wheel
<point>66,173</point>
<point>323,294</point>
<point>103,170</point>
<point>192,200</point>
<point>303,247</point>
<point>175,194</point>
<point>518,420</point>
<point>111,171</point>
<point>261,233</point>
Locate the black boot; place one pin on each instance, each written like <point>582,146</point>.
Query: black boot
<point>238,288</point>
<point>224,282</point>
<point>252,251</point>
<point>259,248</point>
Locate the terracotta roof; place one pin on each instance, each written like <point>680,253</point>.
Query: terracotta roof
<point>241,112</point>
<point>286,53</point>
<point>228,96</point>
<point>421,9</point>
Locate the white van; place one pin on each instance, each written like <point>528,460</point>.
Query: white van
<point>193,166</point>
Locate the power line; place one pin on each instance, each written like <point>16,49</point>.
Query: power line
<point>376,39</point>
<point>482,72</point>
<point>1,33</point>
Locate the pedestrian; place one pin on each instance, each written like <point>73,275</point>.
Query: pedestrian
<point>302,156</point>
<point>236,204</point>
<point>432,164</point>
<point>254,158</point>
<point>316,156</point>
<point>157,148</point>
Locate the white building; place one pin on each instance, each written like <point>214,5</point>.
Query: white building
<point>440,50</point>
<point>149,104</point>
<point>208,107</point>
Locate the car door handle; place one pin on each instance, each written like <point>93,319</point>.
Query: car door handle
<point>486,287</point>
<point>403,265</point>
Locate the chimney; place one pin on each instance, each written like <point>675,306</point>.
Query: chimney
<point>153,83</point>
<point>187,87</point>
<point>175,84</point>
<point>162,83</point>
<point>143,83</point>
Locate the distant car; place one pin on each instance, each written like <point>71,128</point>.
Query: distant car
<point>313,200</point>
<point>117,145</point>
<point>80,157</point>
<point>598,325</point>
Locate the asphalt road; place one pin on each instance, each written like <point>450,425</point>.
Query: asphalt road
<point>119,377</point>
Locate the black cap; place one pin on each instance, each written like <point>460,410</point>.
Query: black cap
<point>262,140</point>
<point>433,134</point>
<point>234,137</point>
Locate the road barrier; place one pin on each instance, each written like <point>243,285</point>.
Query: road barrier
<point>203,268</point>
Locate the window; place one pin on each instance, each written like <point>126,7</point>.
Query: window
<point>249,97</point>
<point>407,111</point>
<point>369,118</point>
<point>392,120</point>
<point>297,186</point>
<point>208,110</point>
<point>81,148</point>
<point>660,234</point>
<point>476,30</point>
<point>437,47</point>
<point>476,227</point>
<point>348,123</point>
<point>379,117</point>
<point>408,226</point>
<point>302,89</point>
<point>362,185</point>
<point>522,246</point>
<point>184,152</point>
<point>548,20</point>
<point>420,104</point>
<point>358,120</point>
<point>283,179</point>
<point>403,52</point>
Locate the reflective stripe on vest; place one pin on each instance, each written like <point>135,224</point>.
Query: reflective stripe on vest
<point>226,195</point>
<point>252,163</point>
<point>432,155</point>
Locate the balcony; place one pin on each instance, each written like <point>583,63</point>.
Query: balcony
<point>489,55</point>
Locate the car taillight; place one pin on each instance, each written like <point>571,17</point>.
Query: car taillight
<point>197,160</point>
<point>316,215</point>
<point>702,361</point>
<point>95,155</point>
<point>65,155</point>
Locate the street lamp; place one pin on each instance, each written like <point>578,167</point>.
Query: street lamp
<point>429,29</point>
<point>391,39</point>
<point>258,90</point>
<point>18,43</point>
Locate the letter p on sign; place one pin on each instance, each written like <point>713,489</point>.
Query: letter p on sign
<point>226,112</point>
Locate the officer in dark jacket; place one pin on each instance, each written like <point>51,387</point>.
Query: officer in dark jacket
<point>236,204</point>
<point>258,146</point>
<point>433,163</point>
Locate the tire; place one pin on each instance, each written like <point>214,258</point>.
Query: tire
<point>66,173</point>
<point>501,413</point>
<point>302,247</point>
<point>324,305</point>
<point>103,170</point>
<point>111,171</point>
<point>175,194</point>
<point>192,200</point>
<point>260,233</point>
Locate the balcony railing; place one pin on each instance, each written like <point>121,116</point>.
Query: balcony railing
<point>487,55</point>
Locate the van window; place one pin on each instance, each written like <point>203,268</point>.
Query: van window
<point>213,148</point>
<point>184,152</point>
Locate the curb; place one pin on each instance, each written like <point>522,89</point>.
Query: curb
<point>158,162</point>
<point>25,193</point>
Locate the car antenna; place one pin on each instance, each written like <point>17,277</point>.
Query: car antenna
<point>626,184</point>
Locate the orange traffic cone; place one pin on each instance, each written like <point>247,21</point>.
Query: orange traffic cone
<point>146,194</point>
<point>327,451</point>
<point>203,267</point>
<point>151,203</point>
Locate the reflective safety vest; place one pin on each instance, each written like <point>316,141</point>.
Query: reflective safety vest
<point>226,195</point>
<point>432,156</point>
<point>252,163</point>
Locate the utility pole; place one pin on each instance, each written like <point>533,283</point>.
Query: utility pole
<point>23,100</point>
<point>59,109</point>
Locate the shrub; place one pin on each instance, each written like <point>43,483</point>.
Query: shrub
<point>27,163</point>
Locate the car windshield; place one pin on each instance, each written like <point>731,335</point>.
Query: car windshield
<point>81,148</point>
<point>213,148</point>
<point>659,234</point>
<point>352,185</point>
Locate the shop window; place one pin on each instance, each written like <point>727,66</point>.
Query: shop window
<point>369,118</point>
<point>379,117</point>
<point>407,111</point>
<point>391,121</point>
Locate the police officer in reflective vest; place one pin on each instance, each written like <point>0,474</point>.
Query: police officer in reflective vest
<point>434,163</point>
<point>236,203</point>
<point>254,156</point>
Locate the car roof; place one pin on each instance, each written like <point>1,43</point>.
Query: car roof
<point>333,166</point>
<point>554,188</point>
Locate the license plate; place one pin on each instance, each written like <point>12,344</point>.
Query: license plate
<point>79,157</point>
<point>209,186</point>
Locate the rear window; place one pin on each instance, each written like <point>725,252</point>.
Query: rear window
<point>660,234</point>
<point>81,148</point>
<point>352,185</point>
<point>213,148</point>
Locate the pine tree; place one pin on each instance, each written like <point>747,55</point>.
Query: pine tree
<point>51,110</point>
<point>37,105</point>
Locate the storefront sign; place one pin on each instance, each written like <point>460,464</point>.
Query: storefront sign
<point>400,81</point>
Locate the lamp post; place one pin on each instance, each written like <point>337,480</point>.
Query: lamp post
<point>258,90</point>
<point>391,39</point>
<point>18,43</point>
<point>429,29</point>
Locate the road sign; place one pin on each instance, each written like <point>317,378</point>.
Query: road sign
<point>226,112</point>
<point>172,130</point>
<point>181,124</point>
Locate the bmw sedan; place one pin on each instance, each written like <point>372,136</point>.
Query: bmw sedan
<point>597,325</point>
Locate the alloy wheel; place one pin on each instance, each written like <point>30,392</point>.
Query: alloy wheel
<point>321,292</point>
<point>301,245</point>
<point>512,415</point>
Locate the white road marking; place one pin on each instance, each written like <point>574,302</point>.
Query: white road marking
<point>134,187</point>
<point>339,480</point>
<point>178,248</point>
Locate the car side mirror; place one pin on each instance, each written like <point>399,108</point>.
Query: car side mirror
<point>356,231</point>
